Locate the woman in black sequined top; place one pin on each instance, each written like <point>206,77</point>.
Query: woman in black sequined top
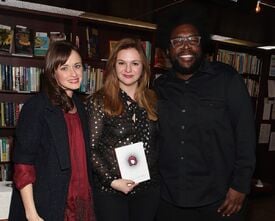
<point>123,112</point>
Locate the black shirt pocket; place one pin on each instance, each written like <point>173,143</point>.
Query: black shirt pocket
<point>211,111</point>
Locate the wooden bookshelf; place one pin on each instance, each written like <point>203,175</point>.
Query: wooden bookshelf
<point>265,156</point>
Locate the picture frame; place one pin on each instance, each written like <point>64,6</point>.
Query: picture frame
<point>112,45</point>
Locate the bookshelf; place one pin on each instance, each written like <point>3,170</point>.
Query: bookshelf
<point>266,122</point>
<point>18,71</point>
<point>109,30</point>
<point>75,25</point>
<point>247,61</point>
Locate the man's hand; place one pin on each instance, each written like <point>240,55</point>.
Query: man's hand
<point>232,203</point>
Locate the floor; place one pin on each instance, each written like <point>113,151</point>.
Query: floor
<point>261,208</point>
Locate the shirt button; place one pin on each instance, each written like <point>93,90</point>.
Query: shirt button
<point>182,142</point>
<point>182,127</point>
<point>181,158</point>
<point>186,82</point>
<point>183,110</point>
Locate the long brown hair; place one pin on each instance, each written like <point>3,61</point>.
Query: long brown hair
<point>145,97</point>
<point>58,53</point>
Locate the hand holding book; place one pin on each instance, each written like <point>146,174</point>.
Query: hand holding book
<point>123,185</point>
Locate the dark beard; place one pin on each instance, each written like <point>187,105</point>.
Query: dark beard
<point>187,71</point>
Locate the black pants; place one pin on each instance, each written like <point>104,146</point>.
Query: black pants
<point>169,212</point>
<point>115,207</point>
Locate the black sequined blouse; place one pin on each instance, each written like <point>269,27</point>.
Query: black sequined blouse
<point>109,132</point>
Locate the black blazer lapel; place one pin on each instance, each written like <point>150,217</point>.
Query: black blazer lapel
<point>83,118</point>
<point>85,128</point>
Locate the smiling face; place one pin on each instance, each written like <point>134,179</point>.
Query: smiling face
<point>69,75</point>
<point>129,68</point>
<point>186,56</point>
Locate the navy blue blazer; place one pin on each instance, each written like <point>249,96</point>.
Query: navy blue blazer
<point>42,140</point>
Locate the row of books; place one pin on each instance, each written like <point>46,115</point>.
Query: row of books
<point>272,66</point>
<point>252,87</point>
<point>5,172</point>
<point>5,148</point>
<point>9,113</point>
<point>27,79</point>
<point>92,79</point>
<point>242,62</point>
<point>22,41</point>
<point>20,79</point>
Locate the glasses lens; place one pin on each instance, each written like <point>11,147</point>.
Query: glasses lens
<point>191,40</point>
<point>194,40</point>
<point>176,42</point>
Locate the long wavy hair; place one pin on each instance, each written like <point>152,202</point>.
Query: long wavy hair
<point>58,53</point>
<point>145,97</point>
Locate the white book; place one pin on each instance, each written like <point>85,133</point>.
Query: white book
<point>132,162</point>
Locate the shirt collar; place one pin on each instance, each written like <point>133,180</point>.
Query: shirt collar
<point>205,68</point>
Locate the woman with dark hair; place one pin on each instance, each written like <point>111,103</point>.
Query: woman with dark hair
<point>50,155</point>
<point>123,112</point>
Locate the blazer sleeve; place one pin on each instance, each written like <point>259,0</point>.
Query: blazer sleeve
<point>28,132</point>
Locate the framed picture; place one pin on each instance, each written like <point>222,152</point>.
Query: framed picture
<point>112,44</point>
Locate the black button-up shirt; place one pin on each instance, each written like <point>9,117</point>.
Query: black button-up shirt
<point>207,135</point>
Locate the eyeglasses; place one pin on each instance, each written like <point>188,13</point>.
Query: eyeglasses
<point>190,40</point>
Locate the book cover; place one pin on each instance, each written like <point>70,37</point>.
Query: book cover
<point>5,148</point>
<point>132,162</point>
<point>2,110</point>
<point>23,42</point>
<point>41,43</point>
<point>6,34</point>
<point>57,36</point>
<point>147,46</point>
<point>112,45</point>
<point>92,42</point>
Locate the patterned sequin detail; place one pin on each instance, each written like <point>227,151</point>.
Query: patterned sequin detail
<point>108,133</point>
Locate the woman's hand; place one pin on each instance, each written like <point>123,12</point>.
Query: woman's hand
<point>123,185</point>
<point>34,217</point>
<point>29,205</point>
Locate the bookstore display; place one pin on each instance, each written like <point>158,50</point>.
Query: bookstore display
<point>24,42</point>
